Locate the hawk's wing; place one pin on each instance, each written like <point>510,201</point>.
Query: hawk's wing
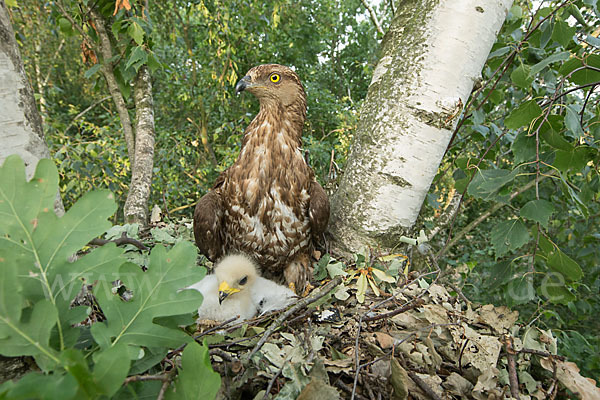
<point>318,209</point>
<point>208,221</point>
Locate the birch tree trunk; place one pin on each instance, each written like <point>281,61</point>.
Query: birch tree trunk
<point>20,123</point>
<point>136,206</point>
<point>431,57</point>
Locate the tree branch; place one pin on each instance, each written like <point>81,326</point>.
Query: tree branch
<point>113,87</point>
<point>373,16</point>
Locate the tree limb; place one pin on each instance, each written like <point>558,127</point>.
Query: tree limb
<point>113,87</point>
<point>373,16</point>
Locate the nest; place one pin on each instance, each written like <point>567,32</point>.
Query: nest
<point>418,342</point>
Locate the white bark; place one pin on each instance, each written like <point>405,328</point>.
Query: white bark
<point>431,57</point>
<point>20,124</point>
<point>136,205</point>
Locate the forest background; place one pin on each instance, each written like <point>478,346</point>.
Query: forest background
<point>502,219</point>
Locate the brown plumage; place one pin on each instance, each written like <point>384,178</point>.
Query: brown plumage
<point>268,203</point>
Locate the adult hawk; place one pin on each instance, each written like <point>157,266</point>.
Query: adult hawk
<point>268,204</point>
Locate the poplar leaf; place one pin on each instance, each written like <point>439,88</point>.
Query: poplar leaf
<point>538,211</point>
<point>508,236</point>
<point>523,115</point>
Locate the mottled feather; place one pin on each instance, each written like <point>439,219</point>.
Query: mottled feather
<point>268,204</point>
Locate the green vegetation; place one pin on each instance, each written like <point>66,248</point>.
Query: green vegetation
<point>524,158</point>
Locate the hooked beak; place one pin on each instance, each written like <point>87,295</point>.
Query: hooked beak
<point>243,84</point>
<point>225,291</point>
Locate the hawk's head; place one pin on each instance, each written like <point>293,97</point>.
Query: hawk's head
<point>273,84</point>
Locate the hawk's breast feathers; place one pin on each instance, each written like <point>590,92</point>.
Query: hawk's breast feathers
<point>268,203</point>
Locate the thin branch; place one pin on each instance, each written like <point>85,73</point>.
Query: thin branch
<point>373,16</point>
<point>512,367</point>
<point>142,378</point>
<point>587,98</point>
<point>81,114</point>
<point>324,290</point>
<point>120,241</point>
<point>485,215</point>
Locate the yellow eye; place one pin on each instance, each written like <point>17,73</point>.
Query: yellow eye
<point>275,78</point>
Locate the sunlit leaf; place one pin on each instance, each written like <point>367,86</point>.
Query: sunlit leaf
<point>523,115</point>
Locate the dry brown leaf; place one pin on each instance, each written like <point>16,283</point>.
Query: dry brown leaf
<point>457,385</point>
<point>121,4</point>
<point>385,341</point>
<point>568,374</point>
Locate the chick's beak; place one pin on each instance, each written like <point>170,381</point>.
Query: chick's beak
<point>243,84</point>
<point>225,290</point>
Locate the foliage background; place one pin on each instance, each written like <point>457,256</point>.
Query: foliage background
<point>204,47</point>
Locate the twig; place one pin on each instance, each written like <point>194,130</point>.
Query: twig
<point>585,104</point>
<point>412,304</point>
<point>347,389</point>
<point>373,16</point>
<point>459,293</point>
<point>81,114</point>
<point>122,240</point>
<point>512,367</point>
<point>272,381</point>
<point>165,385</point>
<point>300,304</point>
<point>142,378</point>
<point>421,383</point>
<point>206,332</point>
<point>221,353</point>
<point>542,354</point>
<point>486,214</point>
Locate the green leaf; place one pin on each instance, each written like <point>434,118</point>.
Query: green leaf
<point>522,76</point>
<point>508,236</point>
<point>137,58</point>
<point>553,288</point>
<point>35,385</point>
<point>585,75</point>
<point>65,26</point>
<point>523,148</point>
<point>565,265</point>
<point>563,33</point>
<point>550,60</point>
<point>487,183</point>
<point>499,274</point>
<point>90,72</point>
<point>572,122</point>
<point>196,378</point>
<point>156,292</point>
<point>38,245</point>
<point>11,3</point>
<point>571,160</point>
<point>20,201</point>
<point>550,132</point>
<point>538,211</point>
<point>519,291</point>
<point>523,115</point>
<point>361,286</point>
<point>136,32</point>
<point>111,368</point>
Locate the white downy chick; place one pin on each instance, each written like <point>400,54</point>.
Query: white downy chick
<point>235,288</point>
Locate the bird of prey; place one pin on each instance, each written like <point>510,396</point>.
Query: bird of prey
<point>268,204</point>
<point>235,289</point>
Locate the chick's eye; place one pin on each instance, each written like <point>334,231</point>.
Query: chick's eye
<point>275,78</point>
<point>243,280</point>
